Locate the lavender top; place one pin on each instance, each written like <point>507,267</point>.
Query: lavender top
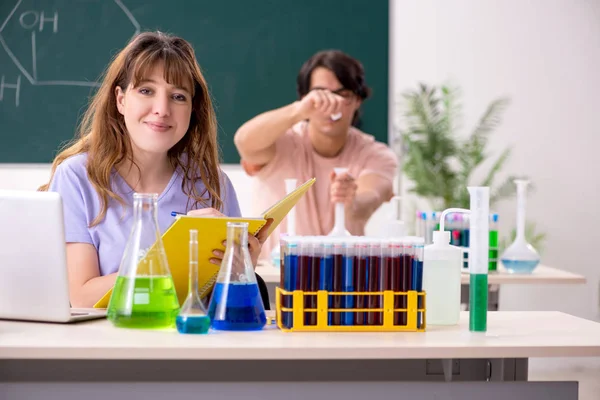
<point>81,205</point>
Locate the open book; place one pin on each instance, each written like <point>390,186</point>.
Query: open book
<point>212,232</point>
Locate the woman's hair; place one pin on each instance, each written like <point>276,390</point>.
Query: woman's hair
<point>347,70</point>
<point>103,134</point>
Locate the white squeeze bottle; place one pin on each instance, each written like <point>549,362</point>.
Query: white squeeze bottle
<point>442,264</point>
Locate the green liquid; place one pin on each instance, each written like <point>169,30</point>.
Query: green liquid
<point>494,239</point>
<point>146,303</point>
<point>478,302</point>
<point>493,253</point>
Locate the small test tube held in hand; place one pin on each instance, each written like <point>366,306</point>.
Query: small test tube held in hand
<point>336,116</point>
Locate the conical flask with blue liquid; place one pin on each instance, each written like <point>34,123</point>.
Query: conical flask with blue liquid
<point>144,293</point>
<point>236,304</point>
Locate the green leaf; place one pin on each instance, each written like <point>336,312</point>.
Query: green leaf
<point>489,179</point>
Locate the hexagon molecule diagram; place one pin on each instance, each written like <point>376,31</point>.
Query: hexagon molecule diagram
<point>66,43</point>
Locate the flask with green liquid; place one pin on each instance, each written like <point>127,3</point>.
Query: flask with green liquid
<point>144,294</point>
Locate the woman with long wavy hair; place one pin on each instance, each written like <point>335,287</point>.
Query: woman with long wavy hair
<point>150,128</point>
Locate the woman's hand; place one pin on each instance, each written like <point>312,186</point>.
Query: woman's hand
<point>254,246</point>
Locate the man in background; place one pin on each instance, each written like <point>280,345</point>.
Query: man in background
<point>310,137</point>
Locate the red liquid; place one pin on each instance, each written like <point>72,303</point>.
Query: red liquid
<point>360,285</point>
<point>315,267</point>
<point>336,301</point>
<point>387,280</point>
<point>405,280</point>
<point>396,283</point>
<point>374,285</point>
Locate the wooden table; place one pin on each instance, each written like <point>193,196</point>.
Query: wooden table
<point>95,360</point>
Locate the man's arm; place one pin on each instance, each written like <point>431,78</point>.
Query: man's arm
<point>255,140</point>
<point>371,191</point>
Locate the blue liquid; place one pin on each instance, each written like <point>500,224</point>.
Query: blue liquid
<point>348,286</point>
<point>520,266</point>
<point>237,307</point>
<point>326,280</point>
<point>194,324</point>
<point>417,284</point>
<point>290,269</point>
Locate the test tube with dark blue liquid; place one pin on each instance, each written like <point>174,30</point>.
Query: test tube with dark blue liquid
<point>417,283</point>
<point>337,280</point>
<point>326,272</point>
<point>315,254</point>
<point>289,277</point>
<point>348,302</point>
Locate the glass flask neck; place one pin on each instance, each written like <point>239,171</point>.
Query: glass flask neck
<point>237,264</point>
<point>237,235</point>
<point>145,205</point>
<point>521,205</point>
<point>193,257</point>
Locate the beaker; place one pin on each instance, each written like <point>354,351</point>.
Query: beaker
<point>520,257</point>
<point>193,317</point>
<point>236,304</point>
<point>144,294</point>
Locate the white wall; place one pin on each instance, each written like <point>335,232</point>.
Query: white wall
<point>545,55</point>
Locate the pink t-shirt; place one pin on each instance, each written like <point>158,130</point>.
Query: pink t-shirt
<point>295,158</point>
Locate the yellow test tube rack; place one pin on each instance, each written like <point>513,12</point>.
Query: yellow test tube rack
<point>415,316</point>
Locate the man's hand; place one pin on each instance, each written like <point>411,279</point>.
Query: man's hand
<point>343,188</point>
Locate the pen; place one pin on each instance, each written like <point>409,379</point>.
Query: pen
<point>175,213</point>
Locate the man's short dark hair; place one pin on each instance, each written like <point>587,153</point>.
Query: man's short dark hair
<point>347,70</point>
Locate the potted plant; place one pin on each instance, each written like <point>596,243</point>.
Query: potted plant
<point>441,163</point>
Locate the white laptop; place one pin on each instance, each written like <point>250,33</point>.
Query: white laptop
<point>33,266</point>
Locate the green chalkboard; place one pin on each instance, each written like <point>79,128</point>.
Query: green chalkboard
<point>53,51</point>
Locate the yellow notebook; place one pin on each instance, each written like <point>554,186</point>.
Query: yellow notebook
<point>212,231</point>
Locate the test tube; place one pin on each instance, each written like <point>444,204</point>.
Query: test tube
<point>348,273</point>
<point>456,229</point>
<point>466,239</point>
<point>373,278</point>
<point>314,275</point>
<point>407,277</point>
<point>493,263</point>
<point>326,271</point>
<point>289,278</point>
<point>304,267</point>
<point>419,231</point>
<point>361,261</point>
<point>417,285</point>
<point>337,279</point>
<point>395,257</point>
